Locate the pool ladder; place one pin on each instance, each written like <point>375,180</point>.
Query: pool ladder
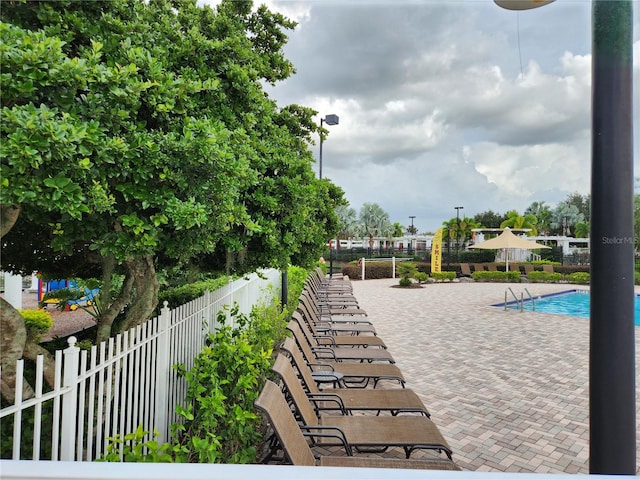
<point>519,301</point>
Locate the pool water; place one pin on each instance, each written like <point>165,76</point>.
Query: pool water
<point>573,302</point>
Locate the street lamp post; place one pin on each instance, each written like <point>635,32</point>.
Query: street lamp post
<point>329,120</point>
<point>412,217</point>
<point>458,232</point>
<point>449,249</point>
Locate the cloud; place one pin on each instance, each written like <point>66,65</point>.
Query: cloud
<point>450,103</point>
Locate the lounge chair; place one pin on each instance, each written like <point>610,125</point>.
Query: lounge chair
<point>326,337</point>
<point>465,270</point>
<point>329,308</point>
<point>337,279</point>
<point>317,285</point>
<point>367,433</point>
<point>338,297</point>
<point>349,374</point>
<point>327,352</point>
<point>346,400</point>
<point>492,267</point>
<point>297,451</point>
<point>363,323</point>
<point>335,282</point>
<point>478,267</point>
<point>363,327</point>
<point>528,268</point>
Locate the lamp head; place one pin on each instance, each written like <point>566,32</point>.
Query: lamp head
<point>521,4</point>
<point>331,119</point>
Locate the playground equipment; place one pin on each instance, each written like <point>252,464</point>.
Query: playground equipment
<point>86,299</point>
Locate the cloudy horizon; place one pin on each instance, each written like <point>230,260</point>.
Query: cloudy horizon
<point>446,104</point>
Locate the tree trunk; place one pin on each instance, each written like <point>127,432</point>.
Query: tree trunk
<point>146,286</point>
<point>8,216</point>
<point>12,342</point>
<point>107,317</point>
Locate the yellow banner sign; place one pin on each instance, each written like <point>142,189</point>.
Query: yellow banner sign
<point>436,252</point>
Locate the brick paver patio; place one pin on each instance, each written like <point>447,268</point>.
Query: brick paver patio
<point>509,390</point>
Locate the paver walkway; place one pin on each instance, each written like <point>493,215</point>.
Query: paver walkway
<point>509,390</point>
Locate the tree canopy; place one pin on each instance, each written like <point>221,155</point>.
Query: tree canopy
<point>138,134</point>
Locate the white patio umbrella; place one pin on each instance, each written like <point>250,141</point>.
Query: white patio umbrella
<point>507,240</point>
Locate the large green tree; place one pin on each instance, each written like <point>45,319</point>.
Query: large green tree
<point>459,230</point>
<point>137,132</point>
<point>489,219</point>
<point>374,222</point>
<point>348,221</point>
<point>515,220</point>
<point>542,212</point>
<point>564,218</point>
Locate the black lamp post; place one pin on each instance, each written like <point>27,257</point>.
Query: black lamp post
<point>612,389</point>
<point>458,232</point>
<point>449,249</point>
<point>329,120</point>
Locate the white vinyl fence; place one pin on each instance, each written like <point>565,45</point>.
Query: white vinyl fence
<point>123,383</point>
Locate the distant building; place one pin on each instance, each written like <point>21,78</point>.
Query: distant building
<point>411,242</point>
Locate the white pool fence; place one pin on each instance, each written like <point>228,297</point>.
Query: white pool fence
<point>123,383</point>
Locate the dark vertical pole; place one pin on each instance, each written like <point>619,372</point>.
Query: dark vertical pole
<point>331,259</point>
<point>612,354</point>
<point>284,294</point>
<point>320,169</point>
<point>449,250</point>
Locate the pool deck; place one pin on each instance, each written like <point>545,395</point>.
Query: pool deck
<point>508,390</point>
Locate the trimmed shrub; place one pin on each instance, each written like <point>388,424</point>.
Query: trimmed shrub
<point>441,276</point>
<point>374,270</point>
<point>184,294</point>
<point>569,269</point>
<point>581,278</point>
<point>545,277</point>
<point>496,276</point>
<point>37,322</point>
<point>421,277</point>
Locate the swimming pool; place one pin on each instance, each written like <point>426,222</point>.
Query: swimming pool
<point>571,302</point>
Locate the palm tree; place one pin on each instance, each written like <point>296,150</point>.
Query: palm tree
<point>582,230</point>
<point>564,216</point>
<point>459,229</point>
<point>348,223</point>
<point>397,230</point>
<point>515,220</point>
<point>543,213</point>
<point>374,222</point>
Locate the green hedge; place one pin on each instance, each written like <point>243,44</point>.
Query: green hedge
<point>545,277</point>
<point>496,276</point>
<point>443,275</point>
<point>374,270</point>
<point>180,295</point>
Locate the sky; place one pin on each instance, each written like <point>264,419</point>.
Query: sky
<point>445,104</point>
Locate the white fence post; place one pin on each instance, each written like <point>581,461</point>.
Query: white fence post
<point>13,289</point>
<point>163,369</point>
<point>70,402</point>
<point>393,267</point>
<point>363,262</point>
